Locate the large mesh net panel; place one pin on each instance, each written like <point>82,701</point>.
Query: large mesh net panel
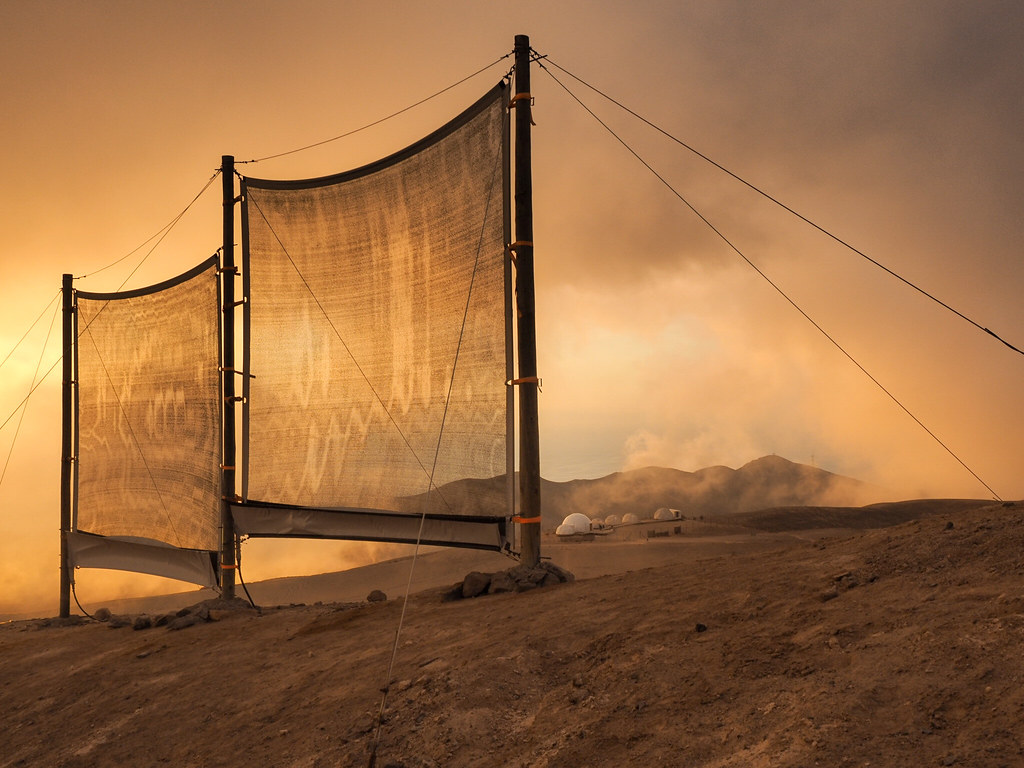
<point>376,321</point>
<point>149,417</point>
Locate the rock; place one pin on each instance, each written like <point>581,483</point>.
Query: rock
<point>701,627</point>
<point>524,574</point>
<point>563,575</point>
<point>455,593</point>
<point>102,614</point>
<point>180,622</point>
<point>544,575</point>
<point>142,622</point>
<point>549,580</point>
<point>518,579</point>
<point>501,582</point>
<point>376,596</point>
<point>116,622</point>
<point>475,584</point>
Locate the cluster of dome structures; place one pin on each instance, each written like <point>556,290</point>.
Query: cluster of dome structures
<point>578,523</point>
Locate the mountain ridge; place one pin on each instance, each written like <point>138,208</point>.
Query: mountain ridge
<point>767,482</point>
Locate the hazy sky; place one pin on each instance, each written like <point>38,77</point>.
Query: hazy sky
<point>895,125</point>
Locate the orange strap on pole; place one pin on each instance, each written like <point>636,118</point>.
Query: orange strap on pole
<point>525,520</point>
<point>521,97</point>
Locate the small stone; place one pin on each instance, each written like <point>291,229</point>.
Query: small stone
<point>550,580</point>
<point>142,622</point>
<point>181,622</point>
<point>376,596</point>
<point>501,582</point>
<point>701,627</point>
<point>102,614</point>
<point>475,584</point>
<point>829,594</point>
<point>455,593</point>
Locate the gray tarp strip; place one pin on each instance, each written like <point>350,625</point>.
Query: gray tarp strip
<point>281,520</point>
<point>87,550</point>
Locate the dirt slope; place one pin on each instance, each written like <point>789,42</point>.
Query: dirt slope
<point>891,647</point>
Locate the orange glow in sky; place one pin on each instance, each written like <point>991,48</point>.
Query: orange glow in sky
<point>894,125</point>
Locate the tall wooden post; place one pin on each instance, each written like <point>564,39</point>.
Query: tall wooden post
<point>66,456</point>
<point>529,431</point>
<point>227,542</point>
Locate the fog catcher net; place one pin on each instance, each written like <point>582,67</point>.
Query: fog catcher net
<point>376,326</point>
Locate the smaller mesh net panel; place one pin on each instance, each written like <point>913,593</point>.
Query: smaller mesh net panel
<point>149,421</point>
<point>360,284</point>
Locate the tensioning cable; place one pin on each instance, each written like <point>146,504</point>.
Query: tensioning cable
<point>777,288</point>
<point>348,350</point>
<point>379,120</point>
<point>378,724</point>
<point>782,205</point>
<point>162,233</point>
<point>33,325</point>
<point>24,410</point>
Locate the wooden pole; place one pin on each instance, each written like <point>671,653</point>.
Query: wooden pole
<point>529,432</point>
<point>227,542</point>
<point>67,425</point>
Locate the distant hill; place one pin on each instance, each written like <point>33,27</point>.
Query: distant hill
<point>882,515</point>
<point>768,482</point>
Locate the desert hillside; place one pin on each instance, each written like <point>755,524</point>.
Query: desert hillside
<point>770,481</point>
<point>897,646</point>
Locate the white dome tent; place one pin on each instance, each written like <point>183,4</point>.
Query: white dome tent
<point>666,514</point>
<point>575,523</point>
<point>612,520</point>
<point>630,519</point>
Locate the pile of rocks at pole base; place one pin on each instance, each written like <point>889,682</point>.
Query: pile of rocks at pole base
<point>518,579</point>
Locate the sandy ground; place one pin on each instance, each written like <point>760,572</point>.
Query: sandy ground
<point>898,646</point>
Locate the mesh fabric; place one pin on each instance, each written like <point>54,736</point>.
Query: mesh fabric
<point>359,287</point>
<point>149,421</point>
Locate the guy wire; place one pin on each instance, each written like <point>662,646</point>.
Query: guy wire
<point>437,450</point>
<point>379,120</point>
<point>24,410</point>
<point>779,203</point>
<point>778,289</point>
<point>33,325</point>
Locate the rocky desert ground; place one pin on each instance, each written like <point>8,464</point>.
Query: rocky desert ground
<point>832,646</point>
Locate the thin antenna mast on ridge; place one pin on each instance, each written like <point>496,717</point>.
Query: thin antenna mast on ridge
<point>529,384</point>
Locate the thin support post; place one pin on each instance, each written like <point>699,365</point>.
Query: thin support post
<point>67,426</point>
<point>529,431</point>
<point>227,542</point>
